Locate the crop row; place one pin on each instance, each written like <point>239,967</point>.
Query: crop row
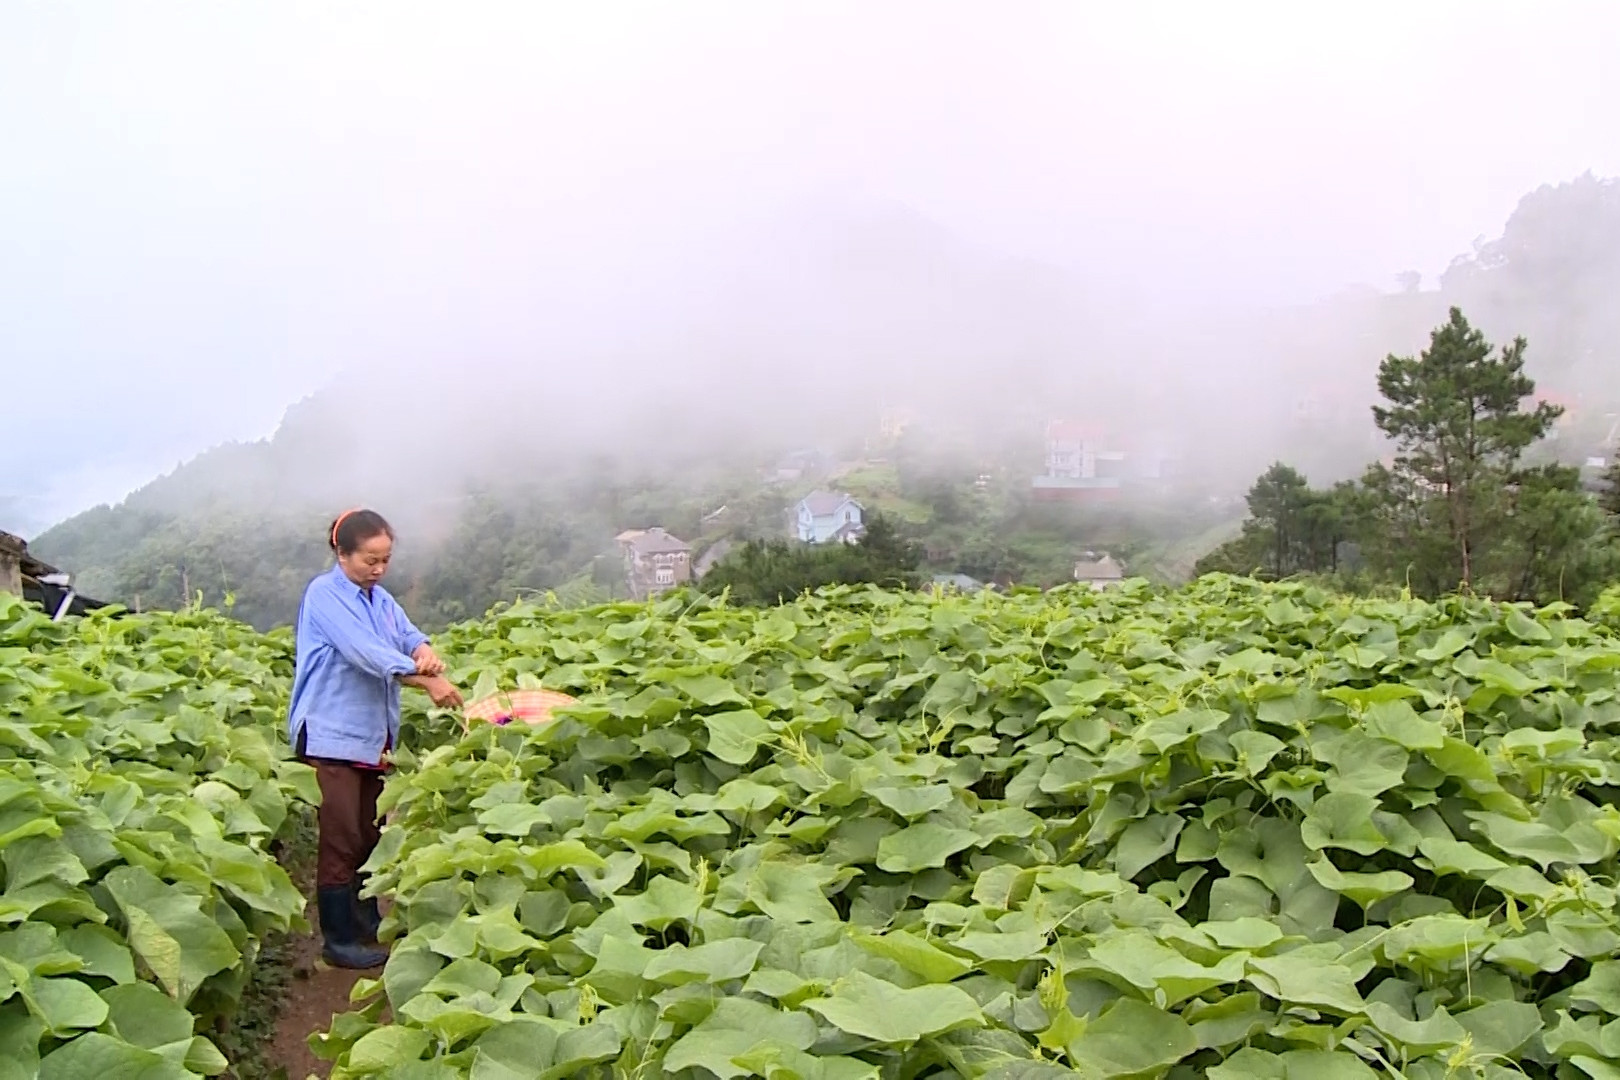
<point>1230,831</point>
<point>141,785</point>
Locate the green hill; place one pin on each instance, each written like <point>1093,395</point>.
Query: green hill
<point>494,498</point>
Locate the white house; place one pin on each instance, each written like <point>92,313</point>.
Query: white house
<point>823,516</point>
<point>1098,571</point>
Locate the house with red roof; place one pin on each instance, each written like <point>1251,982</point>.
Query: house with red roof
<point>1086,461</point>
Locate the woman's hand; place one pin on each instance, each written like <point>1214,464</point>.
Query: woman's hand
<point>444,695</point>
<point>427,661</point>
<point>437,687</point>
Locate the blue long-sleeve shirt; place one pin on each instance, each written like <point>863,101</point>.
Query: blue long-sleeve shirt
<point>352,648</point>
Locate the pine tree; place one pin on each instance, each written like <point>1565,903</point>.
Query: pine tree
<point>1456,415</point>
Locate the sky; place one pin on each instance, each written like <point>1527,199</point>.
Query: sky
<point>210,211</point>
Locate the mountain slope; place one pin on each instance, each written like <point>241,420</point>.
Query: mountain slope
<point>514,466</point>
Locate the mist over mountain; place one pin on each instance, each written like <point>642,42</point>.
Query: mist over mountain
<point>802,328</point>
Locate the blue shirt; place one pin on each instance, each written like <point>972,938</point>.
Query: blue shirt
<point>352,646</point>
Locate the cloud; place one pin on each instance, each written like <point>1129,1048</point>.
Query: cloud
<point>210,213</point>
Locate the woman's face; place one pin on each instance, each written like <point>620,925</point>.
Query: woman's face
<point>367,563</point>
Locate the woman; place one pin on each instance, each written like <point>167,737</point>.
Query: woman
<point>355,649</point>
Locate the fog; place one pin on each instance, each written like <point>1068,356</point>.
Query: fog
<point>496,239</point>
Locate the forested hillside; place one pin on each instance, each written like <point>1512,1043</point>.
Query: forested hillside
<point>459,555</point>
<point>524,489</point>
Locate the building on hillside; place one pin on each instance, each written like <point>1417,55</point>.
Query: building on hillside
<point>1099,570</point>
<point>1084,462</point>
<point>1077,452</point>
<point>894,422</point>
<point>718,518</point>
<point>21,574</point>
<point>823,517</point>
<point>960,582</point>
<point>1079,465</point>
<point>654,561</point>
<point>799,464</point>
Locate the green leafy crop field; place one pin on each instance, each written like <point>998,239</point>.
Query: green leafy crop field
<point>1228,831</point>
<point>141,785</point>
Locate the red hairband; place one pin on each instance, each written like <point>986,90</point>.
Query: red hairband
<point>339,522</point>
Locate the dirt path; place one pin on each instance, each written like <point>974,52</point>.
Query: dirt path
<point>315,994</point>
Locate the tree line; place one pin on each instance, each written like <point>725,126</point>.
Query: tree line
<point>1469,499</point>
<point>766,572</point>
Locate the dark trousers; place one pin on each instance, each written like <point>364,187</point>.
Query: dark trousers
<point>348,820</point>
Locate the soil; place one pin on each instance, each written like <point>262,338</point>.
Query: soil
<point>316,992</point>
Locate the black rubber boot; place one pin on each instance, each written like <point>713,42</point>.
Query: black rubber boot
<point>342,946</point>
<point>368,916</point>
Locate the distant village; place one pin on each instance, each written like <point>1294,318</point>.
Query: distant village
<point>656,561</point>
<point>1081,464</point>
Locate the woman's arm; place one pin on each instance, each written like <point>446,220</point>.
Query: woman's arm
<point>353,638</point>
<point>410,637</point>
<point>414,642</point>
